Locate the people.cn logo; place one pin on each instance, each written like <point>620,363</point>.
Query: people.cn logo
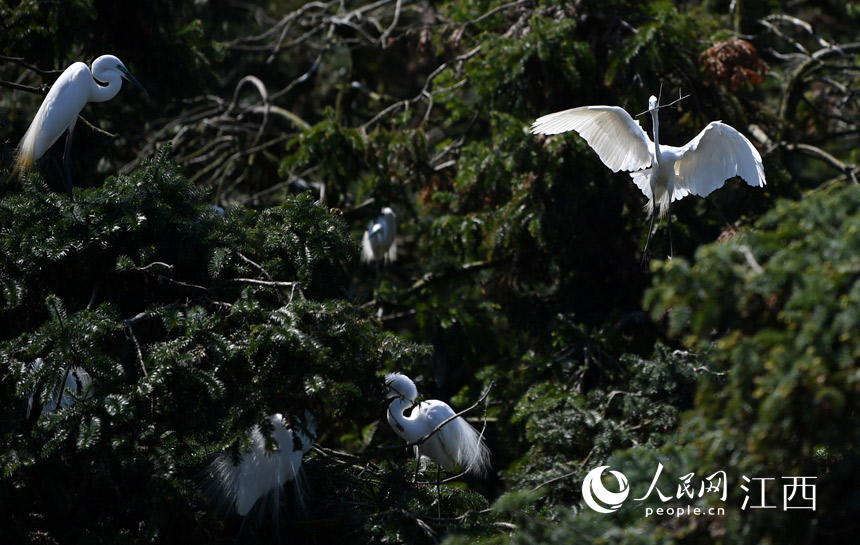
<point>598,497</point>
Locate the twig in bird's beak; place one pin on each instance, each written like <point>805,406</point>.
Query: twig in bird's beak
<point>680,98</point>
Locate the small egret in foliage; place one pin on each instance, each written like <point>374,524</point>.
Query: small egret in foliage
<point>378,243</point>
<point>260,472</point>
<point>70,384</point>
<point>663,173</point>
<point>455,445</point>
<point>58,113</point>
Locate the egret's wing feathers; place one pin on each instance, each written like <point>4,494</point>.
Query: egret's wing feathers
<point>716,154</point>
<point>617,138</point>
<point>58,111</point>
<point>366,248</point>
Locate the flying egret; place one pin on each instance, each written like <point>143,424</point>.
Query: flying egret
<point>378,243</point>
<point>455,444</point>
<point>663,173</point>
<point>238,486</point>
<point>59,111</point>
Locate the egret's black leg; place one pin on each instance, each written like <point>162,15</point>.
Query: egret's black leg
<point>67,167</point>
<point>650,230</point>
<point>671,245</point>
<point>438,491</point>
<point>376,287</point>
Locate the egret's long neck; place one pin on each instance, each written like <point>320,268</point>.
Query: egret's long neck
<point>656,125</point>
<point>396,418</point>
<point>100,93</point>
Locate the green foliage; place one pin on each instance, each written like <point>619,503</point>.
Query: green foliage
<point>192,325</point>
<point>778,306</point>
<point>593,408</point>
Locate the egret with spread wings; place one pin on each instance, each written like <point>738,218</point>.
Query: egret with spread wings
<point>663,173</point>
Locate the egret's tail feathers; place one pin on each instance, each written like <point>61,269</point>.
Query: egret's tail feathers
<point>25,159</point>
<point>24,163</point>
<point>366,249</point>
<point>472,456</point>
<point>391,254</point>
<point>662,207</point>
<point>237,481</point>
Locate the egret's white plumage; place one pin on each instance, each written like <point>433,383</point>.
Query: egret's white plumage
<point>69,385</point>
<point>260,473</point>
<point>663,173</point>
<point>379,241</point>
<point>456,444</point>
<point>59,111</point>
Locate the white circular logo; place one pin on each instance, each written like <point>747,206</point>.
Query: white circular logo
<point>593,488</point>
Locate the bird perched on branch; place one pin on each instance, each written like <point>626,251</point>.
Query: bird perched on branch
<point>663,173</point>
<point>59,111</point>
<point>455,444</point>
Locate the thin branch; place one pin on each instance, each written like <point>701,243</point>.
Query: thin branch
<point>442,424</point>
<point>384,38</point>
<point>167,266</point>
<point>20,61</point>
<point>566,475</point>
<point>496,10</point>
<point>848,169</point>
<point>40,90</point>
<point>137,343</point>
<point>265,283</point>
<point>468,268</point>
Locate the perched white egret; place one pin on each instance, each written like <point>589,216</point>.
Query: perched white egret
<point>378,243</point>
<point>663,173</point>
<point>69,385</point>
<point>455,445</point>
<point>261,473</point>
<point>59,111</point>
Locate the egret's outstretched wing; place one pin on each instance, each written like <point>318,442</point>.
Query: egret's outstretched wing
<point>716,154</point>
<point>617,138</point>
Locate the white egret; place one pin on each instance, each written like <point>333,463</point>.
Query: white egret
<point>70,384</point>
<point>455,445</point>
<point>59,110</point>
<point>261,473</point>
<point>663,173</point>
<point>379,241</point>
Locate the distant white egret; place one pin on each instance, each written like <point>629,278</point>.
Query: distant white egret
<point>261,473</point>
<point>716,154</point>
<point>455,445</point>
<point>70,384</point>
<point>59,111</point>
<point>379,241</point>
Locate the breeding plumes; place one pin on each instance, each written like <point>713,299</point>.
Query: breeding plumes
<point>59,111</point>
<point>456,445</point>
<point>663,173</point>
<point>378,243</point>
<point>261,473</point>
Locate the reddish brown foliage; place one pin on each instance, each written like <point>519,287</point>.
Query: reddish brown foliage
<point>733,62</point>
